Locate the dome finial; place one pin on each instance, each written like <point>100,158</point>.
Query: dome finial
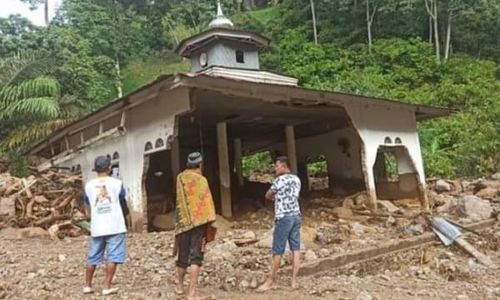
<point>220,20</point>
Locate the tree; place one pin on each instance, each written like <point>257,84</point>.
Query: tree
<point>432,10</point>
<point>315,29</point>
<point>371,10</point>
<point>31,105</point>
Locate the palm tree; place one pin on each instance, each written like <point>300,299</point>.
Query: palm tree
<point>31,105</point>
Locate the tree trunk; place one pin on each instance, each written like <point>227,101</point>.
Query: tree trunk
<point>369,26</point>
<point>448,37</point>
<point>46,11</point>
<point>431,34</point>
<point>315,29</point>
<point>118,77</point>
<point>436,33</point>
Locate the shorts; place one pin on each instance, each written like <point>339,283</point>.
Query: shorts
<point>189,245</point>
<point>114,245</point>
<point>286,229</point>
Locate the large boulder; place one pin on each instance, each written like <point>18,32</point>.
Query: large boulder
<point>474,208</point>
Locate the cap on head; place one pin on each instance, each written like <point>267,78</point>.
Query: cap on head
<point>194,159</point>
<point>102,164</point>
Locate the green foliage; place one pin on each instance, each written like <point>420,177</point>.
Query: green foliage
<point>260,162</point>
<point>18,167</point>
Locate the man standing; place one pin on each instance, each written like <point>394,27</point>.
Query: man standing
<point>195,212</point>
<point>285,191</point>
<point>105,198</point>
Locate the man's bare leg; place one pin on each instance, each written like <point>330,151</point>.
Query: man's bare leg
<point>194,273</point>
<point>272,279</point>
<point>181,274</point>
<point>110,273</point>
<point>89,275</point>
<point>295,268</point>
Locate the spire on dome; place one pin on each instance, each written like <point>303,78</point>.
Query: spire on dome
<point>220,20</point>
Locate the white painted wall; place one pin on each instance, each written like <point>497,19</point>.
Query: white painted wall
<point>375,122</point>
<point>146,122</point>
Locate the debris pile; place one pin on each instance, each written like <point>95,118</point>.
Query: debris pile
<point>49,200</point>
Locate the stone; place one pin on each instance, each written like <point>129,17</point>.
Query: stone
<point>342,212</point>
<point>444,202</point>
<point>20,233</point>
<point>415,229</point>
<point>250,235</point>
<point>164,222</point>
<point>7,207</point>
<point>323,252</point>
<point>266,241</point>
<point>244,284</point>
<point>487,193</point>
<point>254,284</point>
<point>359,229</point>
<point>462,297</point>
<point>474,208</point>
<point>388,206</point>
<point>62,257</point>
<point>390,221</point>
<point>364,296</point>
<point>496,176</point>
<point>310,255</point>
<point>348,203</point>
<point>361,199</point>
<point>442,186</point>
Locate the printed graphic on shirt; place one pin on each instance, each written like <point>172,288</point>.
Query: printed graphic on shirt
<point>103,200</point>
<point>286,189</point>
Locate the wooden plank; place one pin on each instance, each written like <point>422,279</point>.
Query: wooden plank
<point>290,146</point>
<point>362,255</point>
<point>237,161</point>
<point>224,170</point>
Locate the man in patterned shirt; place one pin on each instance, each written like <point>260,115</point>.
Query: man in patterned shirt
<point>284,191</point>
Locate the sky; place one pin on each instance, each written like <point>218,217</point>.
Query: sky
<point>12,7</point>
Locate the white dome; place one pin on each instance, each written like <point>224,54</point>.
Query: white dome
<point>220,20</point>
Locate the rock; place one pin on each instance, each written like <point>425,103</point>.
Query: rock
<point>457,186</point>
<point>474,208</point>
<point>342,212</point>
<point>310,255</point>
<point>254,283</point>
<point>444,202</point>
<point>164,222</point>
<point>361,199</point>
<point>7,207</point>
<point>359,229</point>
<point>390,221</point>
<point>364,296</point>
<point>62,257</point>
<point>415,229</point>
<point>442,186</point>
<point>462,297</point>
<point>250,235</point>
<point>496,176</point>
<point>348,203</point>
<point>487,193</point>
<point>323,252</point>
<point>482,184</point>
<point>244,284</point>
<point>388,206</point>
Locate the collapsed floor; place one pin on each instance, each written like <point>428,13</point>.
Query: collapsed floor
<point>239,259</point>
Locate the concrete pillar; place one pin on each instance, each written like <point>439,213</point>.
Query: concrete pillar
<point>368,157</point>
<point>237,161</point>
<point>304,179</point>
<point>290,147</point>
<point>224,170</point>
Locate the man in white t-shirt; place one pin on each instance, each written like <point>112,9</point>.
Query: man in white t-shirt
<point>105,203</point>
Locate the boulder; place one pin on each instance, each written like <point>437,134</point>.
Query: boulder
<point>487,193</point>
<point>266,241</point>
<point>496,176</point>
<point>482,184</point>
<point>388,206</point>
<point>444,202</point>
<point>442,186</point>
<point>164,222</point>
<point>342,212</point>
<point>361,199</point>
<point>474,208</point>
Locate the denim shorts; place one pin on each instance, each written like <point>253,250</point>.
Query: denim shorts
<point>113,245</point>
<point>286,229</point>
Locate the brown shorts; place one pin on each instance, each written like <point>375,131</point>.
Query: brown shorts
<point>190,247</point>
